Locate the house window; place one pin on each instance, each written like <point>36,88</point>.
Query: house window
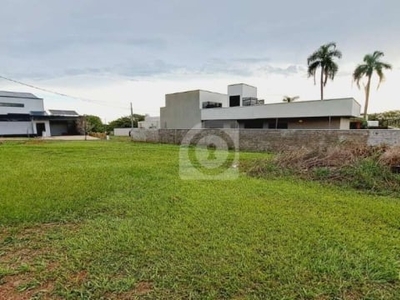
<point>280,125</point>
<point>234,101</point>
<point>210,104</point>
<point>6,104</point>
<point>253,124</point>
<point>249,101</point>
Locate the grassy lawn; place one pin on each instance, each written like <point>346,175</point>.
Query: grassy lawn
<point>113,220</point>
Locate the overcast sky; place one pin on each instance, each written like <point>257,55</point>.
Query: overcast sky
<point>125,51</point>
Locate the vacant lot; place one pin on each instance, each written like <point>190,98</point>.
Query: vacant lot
<point>113,220</point>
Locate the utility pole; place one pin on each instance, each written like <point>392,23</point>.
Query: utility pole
<point>85,126</point>
<point>131,133</point>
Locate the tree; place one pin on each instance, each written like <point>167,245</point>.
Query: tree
<point>386,115</point>
<point>324,58</point>
<point>289,99</point>
<point>96,123</point>
<point>371,65</point>
<point>387,118</point>
<point>89,123</point>
<point>125,122</point>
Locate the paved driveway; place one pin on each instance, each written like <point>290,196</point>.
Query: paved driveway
<point>55,138</point>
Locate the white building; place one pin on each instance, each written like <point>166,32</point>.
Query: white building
<point>241,108</point>
<point>23,114</point>
<point>149,123</point>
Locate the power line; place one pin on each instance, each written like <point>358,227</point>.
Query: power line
<point>61,94</point>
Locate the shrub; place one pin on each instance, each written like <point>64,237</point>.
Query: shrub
<point>355,165</point>
<point>99,135</point>
<point>391,157</point>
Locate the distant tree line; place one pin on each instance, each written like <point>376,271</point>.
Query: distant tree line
<point>91,123</point>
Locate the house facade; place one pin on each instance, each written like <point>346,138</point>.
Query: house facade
<point>23,114</point>
<point>240,108</point>
<point>149,123</point>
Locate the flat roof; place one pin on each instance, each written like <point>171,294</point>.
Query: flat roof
<point>241,83</point>
<point>7,94</point>
<point>57,112</point>
<point>343,107</point>
<point>198,90</point>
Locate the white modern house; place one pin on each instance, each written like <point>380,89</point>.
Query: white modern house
<point>240,108</point>
<point>149,123</point>
<point>23,114</point>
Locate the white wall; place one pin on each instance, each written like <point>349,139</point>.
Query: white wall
<point>29,105</point>
<point>122,131</point>
<point>242,90</point>
<point>22,128</point>
<point>344,123</point>
<point>335,107</point>
<point>182,111</point>
<point>17,128</point>
<point>150,123</point>
<point>249,91</point>
<point>213,97</point>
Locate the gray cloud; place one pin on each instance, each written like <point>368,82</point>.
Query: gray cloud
<point>252,59</point>
<point>50,38</point>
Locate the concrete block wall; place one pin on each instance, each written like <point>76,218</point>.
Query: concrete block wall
<point>273,140</point>
<point>146,135</point>
<point>291,139</point>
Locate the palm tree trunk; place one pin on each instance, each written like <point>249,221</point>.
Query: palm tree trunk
<point>367,89</point>
<point>322,83</point>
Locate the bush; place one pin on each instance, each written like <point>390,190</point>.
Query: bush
<point>99,135</point>
<point>359,166</point>
<point>391,157</point>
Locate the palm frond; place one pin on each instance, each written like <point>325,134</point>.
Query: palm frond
<point>290,99</point>
<point>359,73</point>
<point>379,72</point>
<point>330,45</point>
<point>377,55</point>
<point>313,57</point>
<point>385,66</point>
<point>312,69</point>
<point>326,75</point>
<point>335,53</point>
<point>368,58</point>
<point>333,68</point>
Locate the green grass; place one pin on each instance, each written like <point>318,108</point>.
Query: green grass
<point>112,219</point>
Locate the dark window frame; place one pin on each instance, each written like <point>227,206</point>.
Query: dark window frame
<point>234,101</point>
<point>8,104</point>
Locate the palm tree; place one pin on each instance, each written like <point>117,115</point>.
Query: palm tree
<point>371,64</point>
<point>324,58</point>
<point>289,99</point>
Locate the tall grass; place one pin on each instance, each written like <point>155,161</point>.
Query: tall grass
<point>366,168</point>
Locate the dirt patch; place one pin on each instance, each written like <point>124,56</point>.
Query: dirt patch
<point>29,258</point>
<point>34,142</point>
<point>143,288</point>
<point>10,289</point>
<point>79,277</point>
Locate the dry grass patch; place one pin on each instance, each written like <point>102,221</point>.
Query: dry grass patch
<point>28,261</point>
<point>369,168</point>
